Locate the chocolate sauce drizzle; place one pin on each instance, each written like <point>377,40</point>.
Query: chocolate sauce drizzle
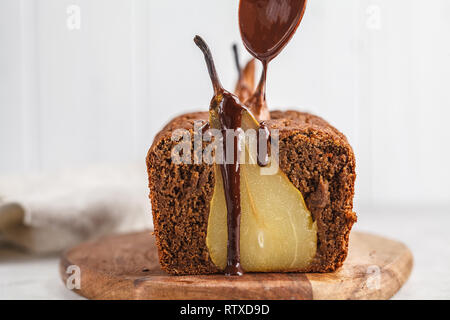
<point>266,27</point>
<point>226,109</point>
<point>263,136</point>
<point>229,115</point>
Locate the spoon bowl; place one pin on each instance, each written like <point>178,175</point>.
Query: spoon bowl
<point>267,25</point>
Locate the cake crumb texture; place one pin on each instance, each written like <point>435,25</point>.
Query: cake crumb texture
<point>315,157</point>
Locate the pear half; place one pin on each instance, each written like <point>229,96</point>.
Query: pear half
<point>277,232</point>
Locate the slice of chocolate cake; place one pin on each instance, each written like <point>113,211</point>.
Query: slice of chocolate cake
<point>313,155</point>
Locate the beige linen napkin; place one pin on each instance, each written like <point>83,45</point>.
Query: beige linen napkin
<point>50,212</point>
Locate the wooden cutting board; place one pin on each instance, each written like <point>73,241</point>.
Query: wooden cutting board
<point>126,267</point>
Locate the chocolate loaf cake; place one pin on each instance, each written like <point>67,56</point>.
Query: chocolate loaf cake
<point>314,156</point>
<point>249,190</point>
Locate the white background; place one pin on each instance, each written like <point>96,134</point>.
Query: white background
<point>378,70</point>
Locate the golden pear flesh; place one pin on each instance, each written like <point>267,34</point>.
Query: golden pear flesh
<point>277,232</point>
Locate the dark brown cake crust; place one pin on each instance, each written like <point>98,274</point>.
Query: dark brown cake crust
<point>316,158</point>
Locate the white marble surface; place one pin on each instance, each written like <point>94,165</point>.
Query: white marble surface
<point>424,231</point>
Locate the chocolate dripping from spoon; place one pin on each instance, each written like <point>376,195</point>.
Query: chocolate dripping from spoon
<point>244,90</point>
<point>281,20</point>
<point>266,27</point>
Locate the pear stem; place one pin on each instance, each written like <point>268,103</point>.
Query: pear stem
<point>209,63</point>
<point>236,60</point>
